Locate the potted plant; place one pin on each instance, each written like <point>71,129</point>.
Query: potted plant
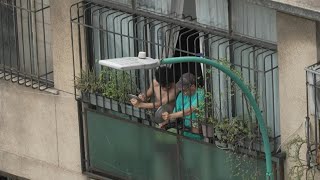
<point>108,89</point>
<point>207,123</point>
<point>89,85</point>
<point>221,131</point>
<point>207,127</point>
<point>237,133</point>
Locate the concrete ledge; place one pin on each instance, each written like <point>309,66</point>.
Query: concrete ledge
<point>305,12</point>
<point>35,169</point>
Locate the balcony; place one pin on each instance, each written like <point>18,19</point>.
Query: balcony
<point>124,140</point>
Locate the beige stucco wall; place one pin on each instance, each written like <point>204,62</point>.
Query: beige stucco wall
<point>39,132</point>
<point>296,50</point>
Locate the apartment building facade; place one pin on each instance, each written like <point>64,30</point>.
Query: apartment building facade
<point>51,130</point>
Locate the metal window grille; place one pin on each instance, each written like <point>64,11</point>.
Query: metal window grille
<point>113,31</point>
<point>313,116</point>
<point>25,43</point>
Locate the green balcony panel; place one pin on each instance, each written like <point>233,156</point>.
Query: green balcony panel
<point>131,150</point>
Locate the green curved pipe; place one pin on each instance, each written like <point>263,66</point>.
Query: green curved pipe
<point>244,89</point>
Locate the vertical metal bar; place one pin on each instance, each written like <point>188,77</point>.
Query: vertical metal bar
<point>45,45</point>
<point>72,49</point>
<point>16,42</point>
<point>2,41</point>
<point>30,22</point>
<point>114,34</point>
<point>8,38</point>
<point>23,50</point>
<point>81,137</point>
<point>219,76</point>
<point>10,41</point>
<point>241,64</point>
<point>79,32</point>
<point>166,47</point>
<point>102,49</point>
<point>36,41</point>
<point>316,123</point>
<point>191,35</point>
<point>230,17</point>
<point>308,120</point>
<point>230,46</point>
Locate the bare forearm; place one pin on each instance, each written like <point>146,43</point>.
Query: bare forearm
<point>149,105</point>
<point>180,114</point>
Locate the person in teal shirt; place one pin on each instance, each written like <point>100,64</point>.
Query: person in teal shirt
<point>187,102</point>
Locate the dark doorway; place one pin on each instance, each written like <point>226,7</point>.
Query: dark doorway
<point>189,42</point>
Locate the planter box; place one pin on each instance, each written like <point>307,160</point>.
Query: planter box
<point>98,100</point>
<point>93,99</point>
<point>133,111</point>
<point>85,97</point>
<point>207,130</point>
<point>107,103</point>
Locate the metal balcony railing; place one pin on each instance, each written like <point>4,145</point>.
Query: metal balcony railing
<point>113,32</point>
<point>105,31</point>
<point>25,43</point>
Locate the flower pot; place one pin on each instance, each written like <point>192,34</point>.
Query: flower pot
<point>207,130</point>
<point>133,111</point>
<point>85,97</point>
<point>99,101</point>
<point>93,99</point>
<point>111,104</point>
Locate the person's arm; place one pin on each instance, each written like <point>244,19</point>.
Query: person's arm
<point>157,104</point>
<point>173,116</point>
<point>144,97</point>
<point>147,105</point>
<point>180,114</point>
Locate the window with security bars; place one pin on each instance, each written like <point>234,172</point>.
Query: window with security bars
<point>25,43</point>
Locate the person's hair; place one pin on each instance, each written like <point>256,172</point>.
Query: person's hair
<point>164,76</point>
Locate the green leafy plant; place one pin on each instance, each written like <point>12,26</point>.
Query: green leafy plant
<point>119,84</point>
<point>237,131</point>
<point>110,83</point>
<point>88,82</point>
<point>221,130</point>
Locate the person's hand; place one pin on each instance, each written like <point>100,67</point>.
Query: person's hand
<point>166,116</point>
<point>142,97</point>
<point>161,125</point>
<point>135,102</point>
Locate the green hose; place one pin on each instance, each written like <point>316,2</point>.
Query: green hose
<point>245,90</point>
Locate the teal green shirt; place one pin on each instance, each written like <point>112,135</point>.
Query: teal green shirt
<point>183,102</point>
